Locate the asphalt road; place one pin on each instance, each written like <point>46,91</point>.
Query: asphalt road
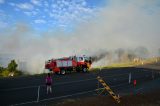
<point>31,90</point>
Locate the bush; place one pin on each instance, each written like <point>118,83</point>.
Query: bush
<point>12,66</point>
<point>5,73</point>
<point>11,70</point>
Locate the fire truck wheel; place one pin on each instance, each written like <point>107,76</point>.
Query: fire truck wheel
<point>57,73</point>
<point>84,69</point>
<point>63,72</point>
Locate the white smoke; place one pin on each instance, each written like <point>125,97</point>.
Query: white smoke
<point>126,24</point>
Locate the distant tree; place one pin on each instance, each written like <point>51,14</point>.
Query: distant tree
<point>142,52</point>
<point>12,66</point>
<point>1,68</point>
<point>131,54</point>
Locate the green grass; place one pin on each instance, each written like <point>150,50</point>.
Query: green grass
<point>5,73</point>
<point>128,64</point>
<point>115,65</point>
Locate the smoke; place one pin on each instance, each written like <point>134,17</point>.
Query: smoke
<point>126,24</point>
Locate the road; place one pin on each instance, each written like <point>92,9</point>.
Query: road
<point>31,90</point>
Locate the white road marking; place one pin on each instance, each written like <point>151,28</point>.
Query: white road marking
<point>88,79</point>
<point>24,103</point>
<point>139,89</point>
<point>113,86</point>
<point>114,75</point>
<point>59,97</point>
<point>58,83</point>
<point>38,94</point>
<point>18,88</point>
<point>65,96</point>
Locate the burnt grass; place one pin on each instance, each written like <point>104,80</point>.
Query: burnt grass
<point>148,99</point>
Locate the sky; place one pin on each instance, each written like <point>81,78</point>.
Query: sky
<point>44,15</point>
<point>38,30</point>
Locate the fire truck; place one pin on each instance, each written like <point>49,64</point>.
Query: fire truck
<point>69,64</point>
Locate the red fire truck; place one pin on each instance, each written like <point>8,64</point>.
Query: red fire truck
<point>69,64</point>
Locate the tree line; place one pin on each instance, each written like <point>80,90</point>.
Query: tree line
<point>10,70</point>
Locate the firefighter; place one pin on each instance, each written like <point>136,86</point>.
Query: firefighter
<point>134,83</point>
<point>49,83</point>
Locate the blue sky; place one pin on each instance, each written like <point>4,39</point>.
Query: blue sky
<point>44,15</point>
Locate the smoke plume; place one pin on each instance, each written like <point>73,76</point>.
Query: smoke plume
<point>126,24</point>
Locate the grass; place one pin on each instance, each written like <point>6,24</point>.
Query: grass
<point>5,73</point>
<point>129,64</point>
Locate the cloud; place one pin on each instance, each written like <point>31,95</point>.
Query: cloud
<point>3,25</point>
<point>3,20</point>
<point>63,12</point>
<point>30,13</point>
<point>12,4</point>
<point>2,1</point>
<point>69,12</point>
<point>25,6</point>
<point>46,4</point>
<point>40,21</point>
<point>36,2</point>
